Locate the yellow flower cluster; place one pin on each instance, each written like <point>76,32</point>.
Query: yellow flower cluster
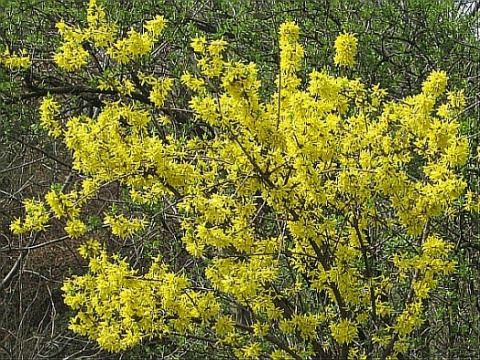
<point>75,228</point>
<point>156,26</point>
<point>472,202</point>
<point>36,218</point>
<point>199,44</point>
<point>124,87</point>
<point>160,88</point>
<point>118,307</point>
<point>69,205</point>
<point>289,202</point>
<point>436,83</point>
<point>72,54</point>
<point>337,148</point>
<point>346,49</point>
<point>291,56</point>
<point>135,44</point>
<point>124,227</point>
<point>49,109</point>
<point>21,61</point>
<point>344,331</point>
<point>90,249</point>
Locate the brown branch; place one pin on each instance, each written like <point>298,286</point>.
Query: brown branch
<point>33,247</point>
<point>48,155</point>
<point>16,267</point>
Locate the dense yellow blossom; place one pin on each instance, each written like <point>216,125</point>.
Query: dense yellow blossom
<point>436,83</point>
<point>192,82</point>
<point>297,209</point>
<point>91,248</point>
<point>124,307</point>
<point>36,218</point>
<point>156,26</point>
<point>71,56</point>
<point>216,47</point>
<point>21,61</point>
<point>75,228</point>
<point>49,110</point>
<point>199,44</point>
<point>345,49</point>
<point>54,201</point>
<point>344,332</point>
<point>124,227</point>
<point>134,45</point>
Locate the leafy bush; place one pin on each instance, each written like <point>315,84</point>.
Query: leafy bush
<point>289,212</point>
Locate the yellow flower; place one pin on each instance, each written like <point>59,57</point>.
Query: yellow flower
<point>55,203</point>
<point>16,226</point>
<point>124,227</point>
<point>252,351</point>
<point>127,87</point>
<point>156,25</point>
<point>75,228</point>
<point>90,248</point>
<point>36,218</point>
<point>192,82</point>
<point>216,47</point>
<point>346,49</point>
<point>14,61</point>
<point>472,202</point>
<point>289,32</point>
<point>198,44</point>
<point>344,332</point>
<point>72,56</point>
<point>224,325</point>
<point>61,26</point>
<point>456,99</point>
<point>436,83</point>
<point>160,90</point>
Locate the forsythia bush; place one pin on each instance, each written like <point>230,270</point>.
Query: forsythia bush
<point>310,211</point>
